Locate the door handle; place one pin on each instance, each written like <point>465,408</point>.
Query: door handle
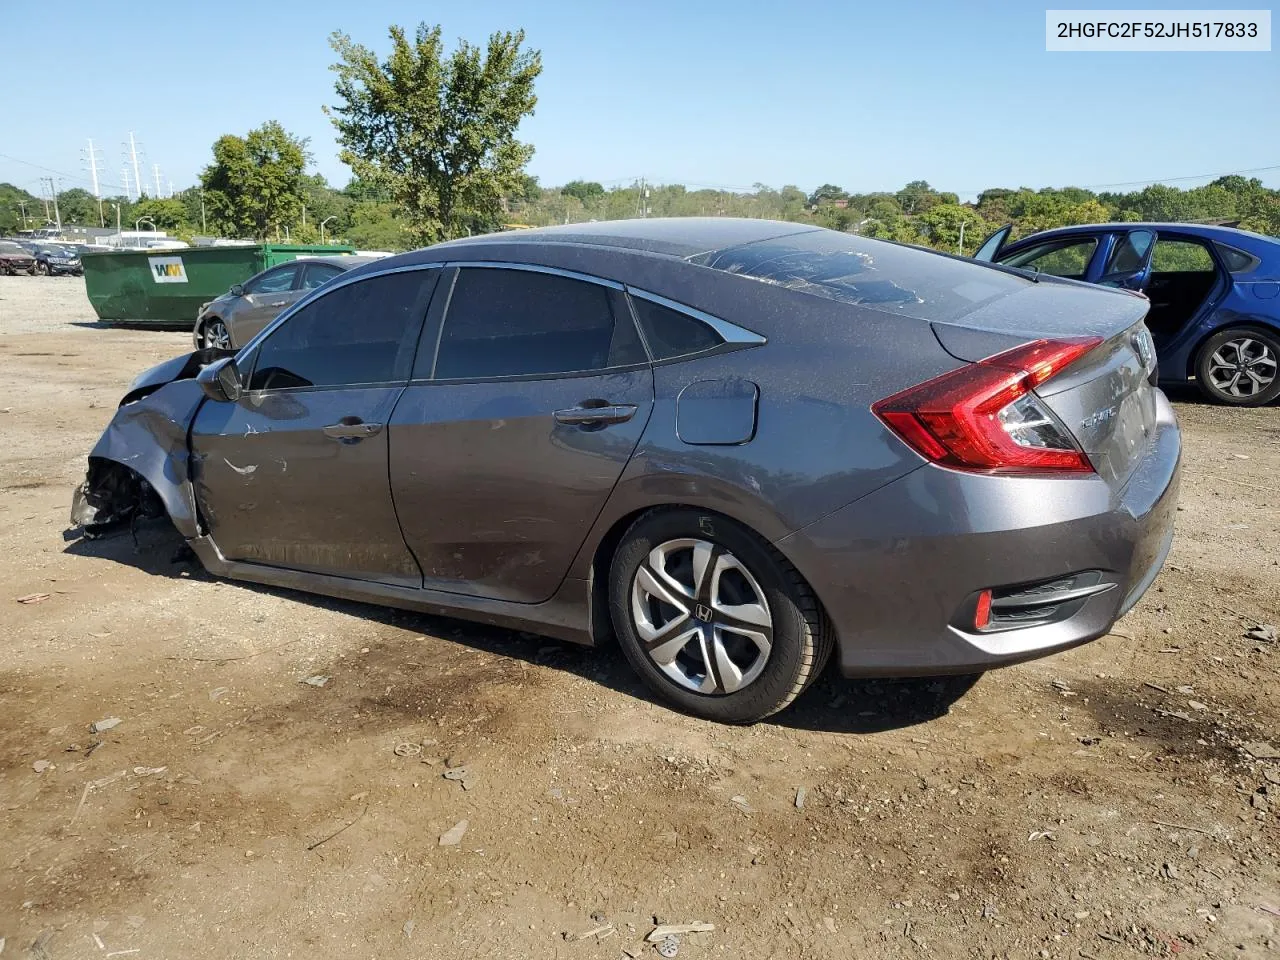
<point>601,415</point>
<point>352,430</point>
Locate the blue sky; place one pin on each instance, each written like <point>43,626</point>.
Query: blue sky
<point>864,95</point>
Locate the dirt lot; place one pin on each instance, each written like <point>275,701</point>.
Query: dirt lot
<point>1097,804</point>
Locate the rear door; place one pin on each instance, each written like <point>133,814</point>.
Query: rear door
<point>1128,263</point>
<point>317,274</point>
<point>510,438</point>
<point>265,297</point>
<point>294,474</point>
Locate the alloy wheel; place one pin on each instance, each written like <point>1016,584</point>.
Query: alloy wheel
<point>216,335</point>
<point>1243,367</point>
<point>701,616</point>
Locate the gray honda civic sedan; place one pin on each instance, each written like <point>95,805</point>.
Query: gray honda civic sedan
<point>734,445</point>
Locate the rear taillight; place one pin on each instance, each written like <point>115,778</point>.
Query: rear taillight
<point>986,417</point>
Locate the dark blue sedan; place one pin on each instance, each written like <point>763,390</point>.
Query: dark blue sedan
<point>1214,292</point>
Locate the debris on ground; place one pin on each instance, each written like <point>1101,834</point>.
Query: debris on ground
<point>460,774</point>
<point>40,766</point>
<point>102,726</point>
<point>319,680</point>
<point>741,803</point>
<point>801,793</point>
<point>408,749</point>
<point>665,930</point>
<point>34,597</point>
<point>602,932</point>
<point>408,928</point>
<point>217,693</point>
<point>669,946</point>
<point>1261,751</point>
<point>453,836</point>
<point>1263,631</point>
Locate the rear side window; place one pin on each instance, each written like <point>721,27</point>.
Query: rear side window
<point>671,333</point>
<point>362,333</point>
<point>514,323</point>
<point>1237,261</point>
<point>318,273</point>
<point>887,276</point>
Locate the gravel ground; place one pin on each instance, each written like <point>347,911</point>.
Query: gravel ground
<point>1099,804</point>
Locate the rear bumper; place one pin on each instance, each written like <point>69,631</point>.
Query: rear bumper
<point>896,568</point>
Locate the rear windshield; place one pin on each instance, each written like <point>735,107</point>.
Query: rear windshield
<point>873,273</point>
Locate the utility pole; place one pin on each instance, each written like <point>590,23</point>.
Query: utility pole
<point>204,228</point>
<point>128,190</point>
<point>155,170</point>
<point>45,199</point>
<point>92,155</point>
<point>57,216</point>
<point>132,158</point>
<point>960,245</point>
<point>22,205</point>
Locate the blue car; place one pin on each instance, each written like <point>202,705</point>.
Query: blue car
<point>1214,292</point>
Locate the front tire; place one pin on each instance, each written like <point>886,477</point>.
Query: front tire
<point>216,335</point>
<point>713,618</point>
<point>1239,366</point>
<point>42,269</point>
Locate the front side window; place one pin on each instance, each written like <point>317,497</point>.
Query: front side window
<point>362,333</point>
<point>273,281</point>
<point>514,323</point>
<point>1058,259</point>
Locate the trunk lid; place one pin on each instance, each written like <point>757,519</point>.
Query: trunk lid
<point>1107,398</point>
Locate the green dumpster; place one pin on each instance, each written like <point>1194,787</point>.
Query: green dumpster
<point>170,286</point>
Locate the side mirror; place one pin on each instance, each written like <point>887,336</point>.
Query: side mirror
<point>220,380</point>
<point>237,290</point>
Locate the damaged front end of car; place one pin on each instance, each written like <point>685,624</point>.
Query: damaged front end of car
<point>139,467</point>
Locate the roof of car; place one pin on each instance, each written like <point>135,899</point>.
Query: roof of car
<point>666,236</point>
<point>346,261</point>
<point>1208,230</point>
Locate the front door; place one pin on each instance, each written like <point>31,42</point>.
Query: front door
<point>294,474</point>
<point>1129,262</point>
<point>506,447</point>
<point>265,298</point>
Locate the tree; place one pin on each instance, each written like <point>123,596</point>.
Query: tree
<point>585,190</point>
<point>254,185</point>
<point>78,205</point>
<point>827,193</point>
<point>943,224</point>
<point>168,214</point>
<point>437,131</point>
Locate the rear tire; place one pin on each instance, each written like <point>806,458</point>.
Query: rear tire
<point>757,636</point>
<point>1240,366</point>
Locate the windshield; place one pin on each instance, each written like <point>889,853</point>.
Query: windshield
<point>8,247</point>
<point>892,277</point>
<point>55,251</point>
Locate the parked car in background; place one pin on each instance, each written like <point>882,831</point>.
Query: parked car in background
<point>1214,292</point>
<point>54,259</point>
<point>14,259</point>
<point>734,444</point>
<point>237,316</point>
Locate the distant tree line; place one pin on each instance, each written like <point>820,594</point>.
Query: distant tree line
<point>430,135</point>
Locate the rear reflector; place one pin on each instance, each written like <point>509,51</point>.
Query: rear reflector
<point>982,615</point>
<point>985,417</point>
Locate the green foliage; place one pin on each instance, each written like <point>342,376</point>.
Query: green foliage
<point>11,198</point>
<point>585,190</point>
<point>167,215</point>
<point>437,131</point>
<point>78,206</point>
<point>943,224</point>
<point>825,194</point>
<point>254,186</point>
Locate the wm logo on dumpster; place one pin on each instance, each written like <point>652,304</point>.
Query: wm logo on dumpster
<point>168,269</point>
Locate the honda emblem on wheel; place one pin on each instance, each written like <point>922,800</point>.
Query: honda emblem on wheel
<point>702,613</point>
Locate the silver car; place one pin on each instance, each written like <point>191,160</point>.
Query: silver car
<point>241,313</point>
